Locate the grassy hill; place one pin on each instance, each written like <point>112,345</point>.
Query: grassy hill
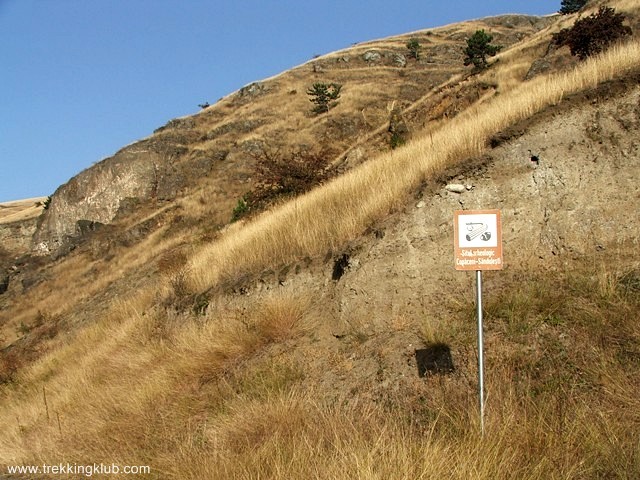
<point>287,344</point>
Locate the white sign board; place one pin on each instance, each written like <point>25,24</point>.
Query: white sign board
<point>477,240</point>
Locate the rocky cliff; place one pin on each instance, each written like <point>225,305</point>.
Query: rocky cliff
<point>95,195</point>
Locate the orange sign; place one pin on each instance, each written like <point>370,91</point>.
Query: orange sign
<point>477,240</point>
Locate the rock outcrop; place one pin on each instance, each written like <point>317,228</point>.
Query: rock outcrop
<point>95,195</point>
<point>15,237</point>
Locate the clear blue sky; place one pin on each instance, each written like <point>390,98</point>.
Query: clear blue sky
<point>82,78</point>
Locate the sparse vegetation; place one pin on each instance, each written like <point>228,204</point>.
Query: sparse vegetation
<point>397,128</point>
<point>594,33</point>
<point>243,383</point>
<point>414,47</point>
<point>281,174</point>
<point>479,48</point>
<point>396,140</point>
<point>324,96</point>
<point>240,210</point>
<point>228,409</point>
<point>341,210</point>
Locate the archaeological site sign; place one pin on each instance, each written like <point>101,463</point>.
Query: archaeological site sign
<point>477,240</point>
<point>478,246</point>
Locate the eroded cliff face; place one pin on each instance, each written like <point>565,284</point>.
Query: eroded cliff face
<point>18,220</point>
<point>15,237</point>
<point>95,195</point>
<point>578,203</point>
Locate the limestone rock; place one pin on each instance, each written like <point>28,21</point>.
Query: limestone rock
<point>399,60</point>
<point>456,188</point>
<point>372,56</point>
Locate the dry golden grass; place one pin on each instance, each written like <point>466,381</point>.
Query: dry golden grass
<point>21,209</point>
<point>199,396</point>
<point>328,217</point>
<point>131,365</point>
<point>76,282</point>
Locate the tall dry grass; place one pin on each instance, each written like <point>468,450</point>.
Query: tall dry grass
<point>201,396</point>
<point>131,366</point>
<point>205,396</point>
<point>328,217</point>
<point>566,411</point>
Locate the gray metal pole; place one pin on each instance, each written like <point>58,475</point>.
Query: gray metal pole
<point>480,348</point>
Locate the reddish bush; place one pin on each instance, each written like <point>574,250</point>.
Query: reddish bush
<point>279,175</point>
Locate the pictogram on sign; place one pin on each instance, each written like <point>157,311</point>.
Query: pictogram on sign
<point>477,240</point>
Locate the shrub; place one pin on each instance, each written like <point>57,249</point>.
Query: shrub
<point>240,210</point>
<point>10,363</point>
<point>289,173</point>
<point>396,140</point>
<point>324,96</point>
<point>397,128</point>
<point>571,6</point>
<point>593,34</point>
<point>479,48</point>
<point>413,45</point>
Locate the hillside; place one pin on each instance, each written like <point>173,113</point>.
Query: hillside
<point>145,328</point>
<point>18,222</point>
<point>20,210</point>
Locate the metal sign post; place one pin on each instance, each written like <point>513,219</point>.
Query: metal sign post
<point>478,246</point>
<point>480,348</point>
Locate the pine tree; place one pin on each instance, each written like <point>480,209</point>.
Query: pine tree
<point>571,6</point>
<point>414,48</point>
<point>324,96</point>
<point>479,48</point>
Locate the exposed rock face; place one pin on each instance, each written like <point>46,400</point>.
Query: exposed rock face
<point>15,237</point>
<point>578,204</point>
<point>95,194</point>
<point>157,168</point>
<point>371,56</point>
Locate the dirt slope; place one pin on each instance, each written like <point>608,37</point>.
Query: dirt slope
<point>574,207</point>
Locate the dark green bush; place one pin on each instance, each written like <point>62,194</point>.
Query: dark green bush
<point>414,47</point>
<point>593,34</point>
<point>240,210</point>
<point>396,140</point>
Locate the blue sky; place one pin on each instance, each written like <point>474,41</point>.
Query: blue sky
<point>82,78</point>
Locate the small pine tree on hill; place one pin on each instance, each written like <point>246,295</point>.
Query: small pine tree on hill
<point>479,48</point>
<point>414,47</point>
<point>571,6</point>
<point>324,96</point>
